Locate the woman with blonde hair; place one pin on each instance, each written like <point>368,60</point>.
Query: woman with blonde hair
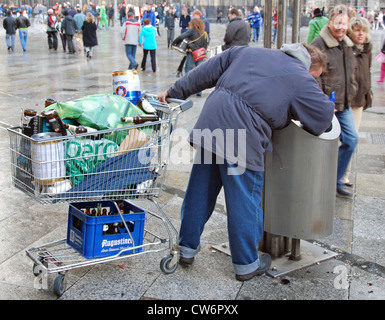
<point>90,39</point>
<point>359,33</point>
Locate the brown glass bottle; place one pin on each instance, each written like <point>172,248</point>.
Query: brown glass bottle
<point>55,121</point>
<point>142,118</point>
<point>49,101</point>
<point>78,129</point>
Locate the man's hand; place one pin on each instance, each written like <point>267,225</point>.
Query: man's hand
<point>162,97</point>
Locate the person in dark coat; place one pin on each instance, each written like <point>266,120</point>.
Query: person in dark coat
<point>237,32</point>
<point>257,90</point>
<point>9,24</point>
<point>340,78</point>
<point>359,33</point>
<point>69,28</point>
<point>169,25</point>
<point>90,39</point>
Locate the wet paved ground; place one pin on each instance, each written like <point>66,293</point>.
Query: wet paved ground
<point>28,78</point>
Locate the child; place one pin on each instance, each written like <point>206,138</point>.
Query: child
<point>148,32</point>
<point>89,34</point>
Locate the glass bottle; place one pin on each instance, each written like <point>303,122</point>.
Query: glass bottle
<point>55,121</point>
<point>142,118</point>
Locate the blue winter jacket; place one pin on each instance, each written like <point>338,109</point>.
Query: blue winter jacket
<point>255,18</point>
<point>149,34</point>
<point>257,90</point>
<point>151,16</point>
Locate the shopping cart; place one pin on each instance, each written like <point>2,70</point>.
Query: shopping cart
<point>100,175</point>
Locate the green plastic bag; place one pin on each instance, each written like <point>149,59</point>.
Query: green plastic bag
<point>85,155</point>
<point>98,111</point>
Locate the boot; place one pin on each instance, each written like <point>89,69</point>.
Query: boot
<point>382,74</point>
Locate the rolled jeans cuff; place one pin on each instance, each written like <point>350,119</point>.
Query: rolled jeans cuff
<point>186,252</point>
<point>241,269</point>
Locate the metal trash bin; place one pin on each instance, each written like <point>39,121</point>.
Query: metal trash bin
<point>300,182</point>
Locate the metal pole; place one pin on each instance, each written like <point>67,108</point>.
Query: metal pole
<point>115,10</point>
<point>281,23</point>
<point>295,32</point>
<point>268,18</point>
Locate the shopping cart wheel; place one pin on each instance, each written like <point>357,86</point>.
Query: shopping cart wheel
<point>60,284</point>
<point>36,270</point>
<point>165,265</point>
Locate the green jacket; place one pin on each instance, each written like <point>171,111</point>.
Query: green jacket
<point>315,26</point>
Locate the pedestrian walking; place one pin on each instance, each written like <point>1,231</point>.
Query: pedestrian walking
<point>147,39</point>
<point>184,21</point>
<point>255,20</point>
<point>69,28</point>
<point>22,24</point>
<point>129,32</point>
<point>359,33</point>
<point>52,29</point>
<point>79,19</point>
<point>237,32</point>
<point>169,25</point>
<point>197,38</point>
<point>149,14</point>
<point>237,118</point>
<point>9,24</point>
<point>340,78</point>
<point>90,39</point>
<point>316,24</point>
<point>111,15</point>
<point>103,17</point>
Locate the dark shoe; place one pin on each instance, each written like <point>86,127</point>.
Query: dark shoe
<point>342,193</point>
<point>185,262</point>
<point>265,262</point>
<point>348,184</point>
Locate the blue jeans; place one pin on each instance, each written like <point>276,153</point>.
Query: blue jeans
<point>349,140</point>
<point>130,53</point>
<point>190,64</point>
<point>256,33</point>
<point>244,212</point>
<point>10,40</point>
<point>23,38</point>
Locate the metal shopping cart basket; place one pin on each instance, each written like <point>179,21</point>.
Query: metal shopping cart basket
<point>99,174</point>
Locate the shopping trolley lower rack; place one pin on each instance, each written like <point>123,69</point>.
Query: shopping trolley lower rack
<point>98,239</point>
<point>96,173</point>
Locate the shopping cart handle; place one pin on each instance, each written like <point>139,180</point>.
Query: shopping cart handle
<point>183,104</point>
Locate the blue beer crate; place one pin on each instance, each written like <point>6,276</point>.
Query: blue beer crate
<point>89,235</point>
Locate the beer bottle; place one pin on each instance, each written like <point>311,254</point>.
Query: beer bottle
<point>78,129</point>
<point>88,211</point>
<point>26,121</point>
<point>142,118</point>
<point>145,106</point>
<point>105,229</point>
<point>115,229</point>
<point>49,101</point>
<point>54,121</point>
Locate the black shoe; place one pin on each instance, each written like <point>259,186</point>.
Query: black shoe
<point>342,193</point>
<point>348,184</point>
<point>265,262</point>
<point>185,262</point>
